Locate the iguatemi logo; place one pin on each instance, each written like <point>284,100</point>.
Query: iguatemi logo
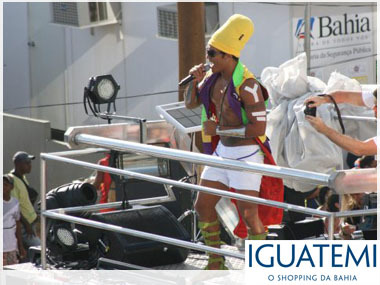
<point>315,261</point>
<point>300,30</point>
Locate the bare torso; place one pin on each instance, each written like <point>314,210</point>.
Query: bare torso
<point>226,116</point>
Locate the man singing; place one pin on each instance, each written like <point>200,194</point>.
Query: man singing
<point>234,109</point>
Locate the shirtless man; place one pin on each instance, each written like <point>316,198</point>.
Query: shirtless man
<point>223,91</point>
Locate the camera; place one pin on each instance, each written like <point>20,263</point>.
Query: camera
<point>311,111</point>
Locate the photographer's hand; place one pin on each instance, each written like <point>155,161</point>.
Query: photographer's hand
<point>317,101</point>
<point>318,124</point>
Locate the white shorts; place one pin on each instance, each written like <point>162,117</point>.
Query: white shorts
<point>240,180</point>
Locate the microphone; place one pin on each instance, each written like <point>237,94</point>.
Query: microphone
<point>191,77</point>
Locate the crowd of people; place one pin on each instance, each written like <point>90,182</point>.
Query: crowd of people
<point>20,219</point>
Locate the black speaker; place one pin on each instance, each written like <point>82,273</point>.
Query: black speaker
<point>143,252</point>
<point>298,230</point>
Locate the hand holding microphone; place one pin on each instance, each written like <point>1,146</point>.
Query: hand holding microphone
<point>197,73</point>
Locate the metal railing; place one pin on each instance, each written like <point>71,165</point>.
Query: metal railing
<point>62,214</point>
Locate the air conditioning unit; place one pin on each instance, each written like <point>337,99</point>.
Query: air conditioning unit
<point>167,16</point>
<point>85,14</point>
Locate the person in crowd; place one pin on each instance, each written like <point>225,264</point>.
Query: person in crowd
<point>23,165</point>
<point>355,201</point>
<point>332,205</point>
<point>351,202</point>
<point>223,91</point>
<point>323,195</point>
<point>12,240</point>
<point>357,147</point>
<point>328,201</point>
<point>366,162</point>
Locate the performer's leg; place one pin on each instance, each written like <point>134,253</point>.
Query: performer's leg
<point>208,221</point>
<point>250,214</point>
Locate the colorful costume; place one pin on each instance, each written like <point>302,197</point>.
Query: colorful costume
<point>230,39</point>
<point>271,188</point>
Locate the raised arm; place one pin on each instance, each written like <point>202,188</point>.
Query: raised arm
<point>192,99</point>
<point>350,97</point>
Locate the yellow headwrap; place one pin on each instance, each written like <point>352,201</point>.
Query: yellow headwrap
<point>233,35</point>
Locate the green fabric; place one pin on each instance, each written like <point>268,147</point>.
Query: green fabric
<point>204,225</point>
<point>211,242</point>
<point>239,75</point>
<point>204,114</point>
<point>244,117</point>
<point>214,260</point>
<point>261,236</point>
<point>210,234</point>
<point>237,78</point>
<point>206,235</point>
<point>21,194</point>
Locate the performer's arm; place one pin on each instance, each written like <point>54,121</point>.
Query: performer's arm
<point>192,95</point>
<point>192,99</point>
<point>254,106</point>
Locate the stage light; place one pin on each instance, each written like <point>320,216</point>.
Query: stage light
<point>71,195</point>
<point>103,89</point>
<point>65,236</point>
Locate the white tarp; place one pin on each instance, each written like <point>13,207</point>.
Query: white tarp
<point>294,142</point>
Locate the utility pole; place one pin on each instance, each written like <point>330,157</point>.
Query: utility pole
<point>191,38</point>
<point>191,44</point>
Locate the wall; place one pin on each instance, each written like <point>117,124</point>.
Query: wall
<point>16,81</point>
<point>33,136</point>
<point>63,58</point>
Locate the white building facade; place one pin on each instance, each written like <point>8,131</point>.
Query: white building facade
<point>47,66</point>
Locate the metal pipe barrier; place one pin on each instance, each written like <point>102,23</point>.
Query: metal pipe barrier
<point>183,185</point>
<point>356,213</point>
<point>314,178</point>
<point>357,118</point>
<point>60,213</point>
<point>140,234</point>
<point>348,117</point>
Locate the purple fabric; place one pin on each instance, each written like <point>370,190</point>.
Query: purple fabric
<point>267,145</point>
<point>205,91</point>
<point>232,96</point>
<point>207,148</point>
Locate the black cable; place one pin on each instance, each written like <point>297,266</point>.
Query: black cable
<point>164,92</point>
<point>76,103</point>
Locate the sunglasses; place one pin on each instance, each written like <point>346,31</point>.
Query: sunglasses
<point>212,53</point>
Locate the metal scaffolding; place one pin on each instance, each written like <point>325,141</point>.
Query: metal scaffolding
<point>196,158</point>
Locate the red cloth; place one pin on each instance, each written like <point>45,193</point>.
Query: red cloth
<point>271,188</point>
<point>241,229</point>
<point>106,183</point>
